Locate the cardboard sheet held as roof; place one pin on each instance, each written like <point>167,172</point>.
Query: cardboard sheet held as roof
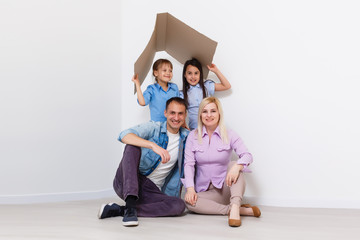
<point>179,40</point>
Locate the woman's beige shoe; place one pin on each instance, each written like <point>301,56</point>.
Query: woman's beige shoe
<point>234,222</point>
<point>256,210</point>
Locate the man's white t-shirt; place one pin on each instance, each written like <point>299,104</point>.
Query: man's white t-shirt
<point>159,175</point>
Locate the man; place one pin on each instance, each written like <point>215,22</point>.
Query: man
<point>148,177</point>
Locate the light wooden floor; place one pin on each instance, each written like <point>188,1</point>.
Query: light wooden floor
<point>78,220</point>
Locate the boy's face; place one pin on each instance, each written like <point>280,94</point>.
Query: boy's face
<point>175,115</point>
<point>164,73</point>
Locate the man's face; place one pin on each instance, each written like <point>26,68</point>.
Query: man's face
<point>175,115</point>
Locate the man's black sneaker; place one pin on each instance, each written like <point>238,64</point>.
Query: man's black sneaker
<point>130,217</point>
<point>110,210</point>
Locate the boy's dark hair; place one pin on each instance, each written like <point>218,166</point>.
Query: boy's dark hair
<point>193,62</point>
<point>177,100</point>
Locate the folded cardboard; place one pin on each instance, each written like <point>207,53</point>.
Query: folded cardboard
<point>179,40</point>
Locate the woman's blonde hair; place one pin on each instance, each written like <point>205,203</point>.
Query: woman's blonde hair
<point>221,123</point>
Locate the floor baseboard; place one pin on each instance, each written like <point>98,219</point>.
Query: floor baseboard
<point>304,203</point>
<point>108,193</point>
<point>56,197</point>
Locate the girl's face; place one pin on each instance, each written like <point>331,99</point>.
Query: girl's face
<point>210,116</point>
<point>164,73</point>
<point>192,75</point>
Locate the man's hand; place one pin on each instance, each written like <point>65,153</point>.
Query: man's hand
<point>190,196</point>
<point>164,154</point>
<point>133,139</point>
<point>233,174</point>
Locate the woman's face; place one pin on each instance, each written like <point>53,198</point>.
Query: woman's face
<point>192,75</point>
<point>210,115</point>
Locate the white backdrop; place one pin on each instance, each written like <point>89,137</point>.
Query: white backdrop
<point>66,93</point>
<point>60,99</point>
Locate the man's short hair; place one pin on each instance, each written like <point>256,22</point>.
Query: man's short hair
<point>177,100</point>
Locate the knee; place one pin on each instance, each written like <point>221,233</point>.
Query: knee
<point>132,154</point>
<point>177,206</point>
<point>133,150</point>
<point>191,207</point>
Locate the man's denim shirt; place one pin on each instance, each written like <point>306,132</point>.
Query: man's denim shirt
<point>157,132</point>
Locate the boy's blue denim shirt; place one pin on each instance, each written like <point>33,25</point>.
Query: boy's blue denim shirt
<point>157,132</point>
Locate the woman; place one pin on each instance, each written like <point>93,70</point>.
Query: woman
<point>217,186</point>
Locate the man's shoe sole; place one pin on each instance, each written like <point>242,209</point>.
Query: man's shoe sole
<point>130,223</point>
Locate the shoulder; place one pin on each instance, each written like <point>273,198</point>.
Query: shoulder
<point>151,87</point>
<point>150,126</point>
<point>143,130</point>
<point>231,132</point>
<point>173,86</point>
<point>210,87</point>
<point>209,83</point>
<point>184,132</point>
<point>154,123</point>
<point>233,136</point>
<point>193,135</point>
<point>191,139</point>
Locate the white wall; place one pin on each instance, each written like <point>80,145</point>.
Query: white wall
<point>59,99</point>
<point>66,93</point>
<point>294,70</point>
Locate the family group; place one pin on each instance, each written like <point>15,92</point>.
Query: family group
<point>186,143</point>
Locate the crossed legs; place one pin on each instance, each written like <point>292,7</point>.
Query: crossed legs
<point>218,201</point>
<point>151,202</point>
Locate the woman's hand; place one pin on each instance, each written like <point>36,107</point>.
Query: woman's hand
<point>191,196</point>
<point>233,174</point>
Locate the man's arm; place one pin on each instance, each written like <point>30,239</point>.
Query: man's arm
<point>133,139</point>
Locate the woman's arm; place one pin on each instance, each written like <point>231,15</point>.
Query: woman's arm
<point>224,83</point>
<point>245,157</point>
<point>189,170</point>
<point>140,95</point>
<point>233,174</point>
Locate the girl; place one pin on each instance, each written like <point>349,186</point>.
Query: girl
<point>158,93</point>
<point>195,88</point>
